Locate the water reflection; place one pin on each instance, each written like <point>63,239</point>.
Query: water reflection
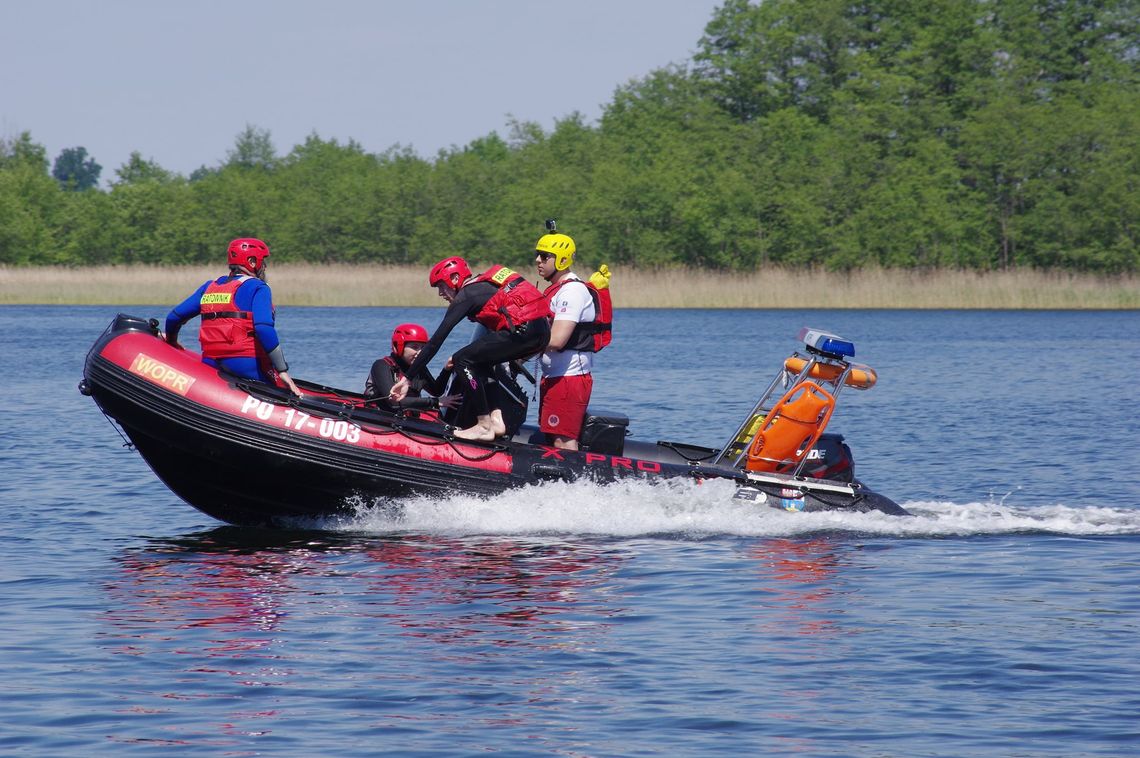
<point>240,579</point>
<point>209,615</point>
<point>243,581</point>
<point>255,629</point>
<point>802,576</point>
<point>801,619</point>
<point>227,578</point>
<point>449,589</point>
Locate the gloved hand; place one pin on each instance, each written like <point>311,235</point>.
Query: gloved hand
<point>601,277</point>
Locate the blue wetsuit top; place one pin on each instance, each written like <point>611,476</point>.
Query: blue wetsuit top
<point>254,296</point>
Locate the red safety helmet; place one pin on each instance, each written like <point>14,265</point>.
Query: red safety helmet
<point>405,333</point>
<point>451,271</point>
<point>241,250</point>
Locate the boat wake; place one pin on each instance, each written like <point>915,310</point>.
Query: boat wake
<point>692,510</point>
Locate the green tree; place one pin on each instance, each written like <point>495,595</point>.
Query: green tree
<point>138,170</point>
<point>323,207</point>
<point>29,199</point>
<point>74,170</point>
<point>465,195</point>
<point>86,232</point>
<point>253,148</point>
<point>157,221</point>
<point>401,203</point>
<point>22,152</point>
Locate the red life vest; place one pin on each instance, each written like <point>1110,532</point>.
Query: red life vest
<point>225,332</point>
<point>517,301</point>
<point>590,336</point>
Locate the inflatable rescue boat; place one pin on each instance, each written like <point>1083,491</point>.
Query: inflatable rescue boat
<point>250,453</point>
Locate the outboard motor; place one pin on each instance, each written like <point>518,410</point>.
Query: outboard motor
<point>830,458</point>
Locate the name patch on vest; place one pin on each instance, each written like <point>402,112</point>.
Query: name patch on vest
<point>212,298</point>
<point>159,373</point>
<point>502,275</point>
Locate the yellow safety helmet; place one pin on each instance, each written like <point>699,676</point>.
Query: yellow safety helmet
<point>560,246</point>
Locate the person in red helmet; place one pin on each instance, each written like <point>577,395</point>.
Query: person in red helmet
<point>238,331</point>
<point>516,317</point>
<point>407,341</point>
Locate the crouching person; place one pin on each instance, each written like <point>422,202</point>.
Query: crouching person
<point>407,342</point>
<point>516,316</point>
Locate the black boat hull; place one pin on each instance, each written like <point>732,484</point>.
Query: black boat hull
<point>248,454</point>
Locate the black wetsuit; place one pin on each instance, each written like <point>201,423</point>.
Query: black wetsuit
<point>384,376</point>
<point>474,361</point>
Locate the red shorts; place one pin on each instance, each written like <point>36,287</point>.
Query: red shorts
<point>563,406</point>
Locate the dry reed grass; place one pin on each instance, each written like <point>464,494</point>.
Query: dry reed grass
<point>369,285</point>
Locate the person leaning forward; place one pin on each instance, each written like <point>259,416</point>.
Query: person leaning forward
<point>516,316</point>
<point>237,330</point>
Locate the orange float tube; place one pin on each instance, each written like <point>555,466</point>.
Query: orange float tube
<point>860,377</point>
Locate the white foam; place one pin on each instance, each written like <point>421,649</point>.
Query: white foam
<point>997,518</point>
<point>691,509</point>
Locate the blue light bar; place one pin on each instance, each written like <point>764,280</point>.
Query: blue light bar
<point>826,343</point>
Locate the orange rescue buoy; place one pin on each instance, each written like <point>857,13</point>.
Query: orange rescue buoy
<point>860,377</point>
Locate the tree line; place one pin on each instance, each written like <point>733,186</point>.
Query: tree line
<point>963,133</point>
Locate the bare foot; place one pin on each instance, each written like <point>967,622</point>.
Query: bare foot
<point>477,433</point>
<point>498,426</point>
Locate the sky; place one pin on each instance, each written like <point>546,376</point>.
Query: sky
<point>178,81</point>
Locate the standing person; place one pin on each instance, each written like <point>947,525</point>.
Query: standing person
<point>237,330</point>
<point>407,342</point>
<point>580,328</point>
<point>516,316</point>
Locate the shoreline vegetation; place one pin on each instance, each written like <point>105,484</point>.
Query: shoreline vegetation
<point>307,284</point>
<point>907,142</point>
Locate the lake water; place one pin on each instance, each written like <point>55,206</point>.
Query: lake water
<point>1004,620</point>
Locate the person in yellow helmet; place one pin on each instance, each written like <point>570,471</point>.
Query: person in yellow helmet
<point>567,363</point>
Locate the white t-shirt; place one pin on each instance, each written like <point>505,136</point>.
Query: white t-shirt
<point>572,302</point>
